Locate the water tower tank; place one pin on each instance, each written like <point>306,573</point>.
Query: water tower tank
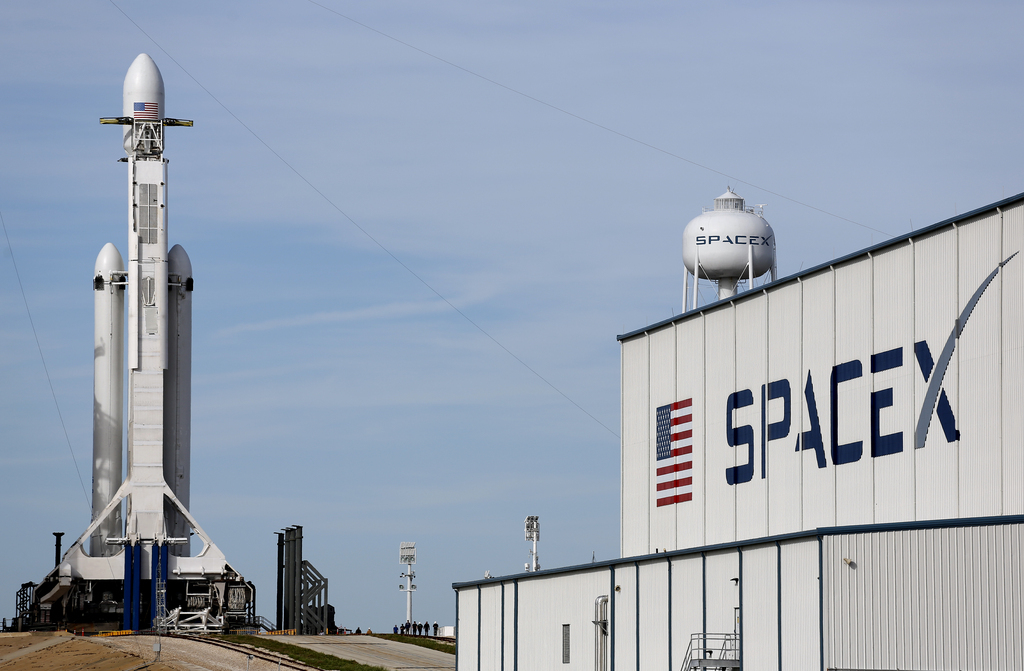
<point>729,243</point>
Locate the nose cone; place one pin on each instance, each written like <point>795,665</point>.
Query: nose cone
<point>178,262</point>
<point>144,90</point>
<point>108,262</point>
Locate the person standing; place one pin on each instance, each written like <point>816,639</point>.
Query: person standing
<point>435,628</point>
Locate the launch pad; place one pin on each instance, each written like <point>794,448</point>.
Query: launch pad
<point>138,571</point>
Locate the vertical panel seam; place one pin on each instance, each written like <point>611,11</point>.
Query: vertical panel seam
<point>479,623</point>
<point>704,591</point>
<point>821,607</point>
<point>501,664</point>
<point>636,565</point>
<point>739,552</point>
<point>515,625</point>
<point>669,562</point>
<point>778,597</point>
<point>611,619</point>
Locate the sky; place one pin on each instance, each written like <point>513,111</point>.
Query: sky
<point>417,228</point>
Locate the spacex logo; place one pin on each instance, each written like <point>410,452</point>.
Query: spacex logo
<point>755,240</point>
<point>934,404</point>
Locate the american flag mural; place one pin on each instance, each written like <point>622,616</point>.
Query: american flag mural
<point>147,111</point>
<point>674,453</point>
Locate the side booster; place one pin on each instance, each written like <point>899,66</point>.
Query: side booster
<point>145,558</point>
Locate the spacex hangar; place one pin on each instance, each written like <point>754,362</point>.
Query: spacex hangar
<point>822,472</point>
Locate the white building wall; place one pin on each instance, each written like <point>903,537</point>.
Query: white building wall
<point>761,608</point>
<point>851,428</point>
<point>490,633</point>
<point>752,373</point>
<point>690,355</point>
<point>1012,368</point>
<point>980,412</point>
<point>662,392</point>
<point>624,627</point>
<point>785,464</point>
<point>466,627</point>
<point>893,301</point>
<point>687,603</point>
<point>799,625</point>
<point>935,265</point>
<point>818,357</point>
<point>719,382</point>
<point>636,446</point>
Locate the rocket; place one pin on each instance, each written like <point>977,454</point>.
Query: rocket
<point>152,541</point>
<point>159,285</point>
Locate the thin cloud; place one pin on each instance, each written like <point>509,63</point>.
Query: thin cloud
<point>375,312</point>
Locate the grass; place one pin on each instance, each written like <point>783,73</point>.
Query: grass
<point>420,641</point>
<point>319,660</point>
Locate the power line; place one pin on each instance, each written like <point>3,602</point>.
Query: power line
<point>363,230</point>
<point>594,123</point>
<point>43,359</point>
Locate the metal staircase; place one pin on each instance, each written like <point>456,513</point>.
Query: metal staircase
<point>713,651</point>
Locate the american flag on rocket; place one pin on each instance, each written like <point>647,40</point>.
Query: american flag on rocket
<point>674,451</point>
<point>147,111</point>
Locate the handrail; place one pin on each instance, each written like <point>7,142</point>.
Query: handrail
<point>704,646</point>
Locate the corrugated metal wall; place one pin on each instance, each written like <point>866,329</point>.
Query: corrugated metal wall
<point>893,296</point>
<point>690,384</point>
<point>654,630</point>
<point>785,465</point>
<point>490,635</point>
<point>761,608</point>
<point>944,598</point>
<point>636,446</point>
<point>663,385</point>
<point>719,382</point>
<point>861,342</point>
<point>466,627</point>
<point>799,621</point>
<point>1012,371</point>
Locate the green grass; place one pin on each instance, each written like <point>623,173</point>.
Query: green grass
<point>311,657</point>
<point>420,641</point>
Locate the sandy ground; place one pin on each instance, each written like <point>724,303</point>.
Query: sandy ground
<point>63,652</point>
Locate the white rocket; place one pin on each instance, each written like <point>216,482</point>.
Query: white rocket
<point>157,286</point>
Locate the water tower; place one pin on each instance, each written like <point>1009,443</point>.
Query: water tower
<point>727,244</point>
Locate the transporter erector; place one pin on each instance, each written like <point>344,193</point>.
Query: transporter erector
<point>139,572</point>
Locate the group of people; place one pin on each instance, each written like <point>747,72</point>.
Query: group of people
<point>415,629</point>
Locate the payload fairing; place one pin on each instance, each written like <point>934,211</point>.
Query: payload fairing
<point>146,560</point>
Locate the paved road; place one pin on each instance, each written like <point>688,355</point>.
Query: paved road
<point>377,652</point>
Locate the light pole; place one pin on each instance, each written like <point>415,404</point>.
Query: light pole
<point>407,556</point>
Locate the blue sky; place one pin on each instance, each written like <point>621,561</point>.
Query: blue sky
<point>334,389</point>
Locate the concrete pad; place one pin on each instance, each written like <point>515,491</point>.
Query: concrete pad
<point>377,652</point>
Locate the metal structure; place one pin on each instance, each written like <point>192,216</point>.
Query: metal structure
<point>301,589</point>
<point>533,534</point>
<point>117,576</point>
<point>836,455</point>
<point>407,556</point>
